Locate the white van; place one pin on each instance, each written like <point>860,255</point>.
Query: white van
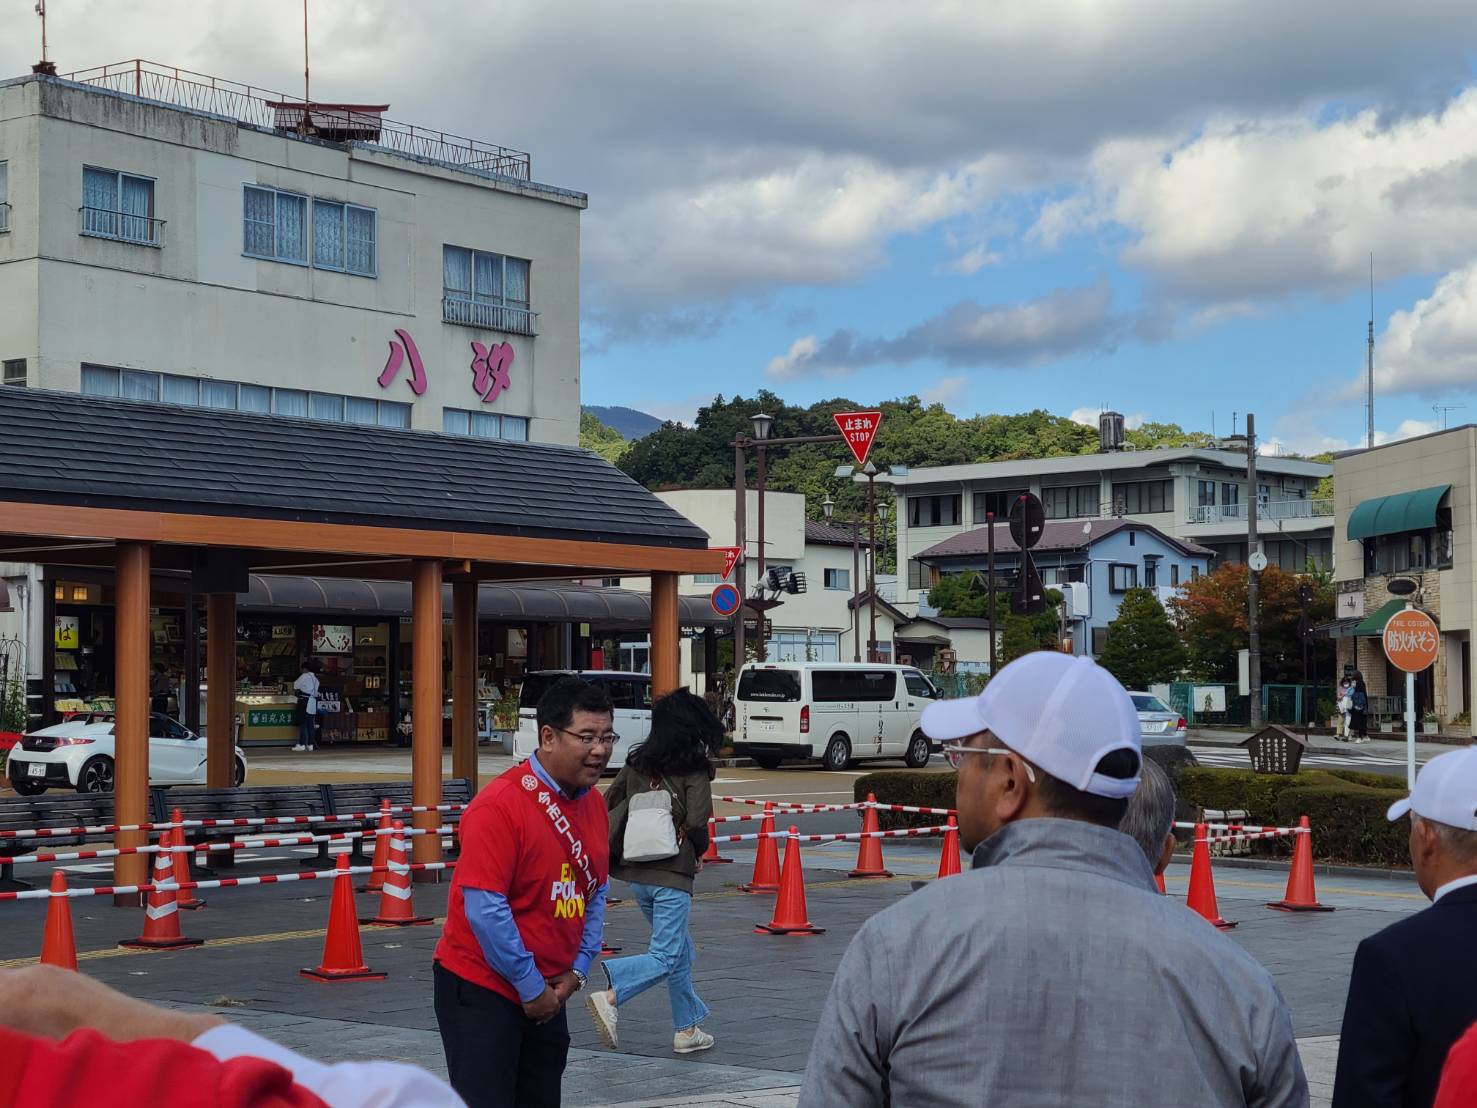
<point>837,712</point>
<point>629,692</point>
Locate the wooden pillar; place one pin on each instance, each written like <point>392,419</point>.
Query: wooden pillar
<point>131,729</point>
<point>220,681</point>
<point>464,681</point>
<point>426,700</point>
<point>665,633</point>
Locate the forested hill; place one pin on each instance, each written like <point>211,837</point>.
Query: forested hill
<point>912,434</point>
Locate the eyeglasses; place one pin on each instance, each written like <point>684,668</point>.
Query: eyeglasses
<point>955,752</point>
<point>610,738</point>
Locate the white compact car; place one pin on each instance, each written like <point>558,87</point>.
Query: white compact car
<point>78,755</point>
<point>1159,723</point>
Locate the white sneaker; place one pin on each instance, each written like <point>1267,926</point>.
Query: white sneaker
<point>299,748</point>
<point>605,1016</point>
<point>691,1041</point>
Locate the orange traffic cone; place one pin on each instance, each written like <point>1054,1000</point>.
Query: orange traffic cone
<point>712,857</point>
<point>1300,896</point>
<point>1159,880</point>
<point>58,948</point>
<point>161,911</point>
<point>869,850</point>
<point>395,906</point>
<point>1202,884</point>
<point>766,877</point>
<point>791,917</point>
<point>381,861</point>
<point>185,898</point>
<point>343,958</point>
<point>949,853</point>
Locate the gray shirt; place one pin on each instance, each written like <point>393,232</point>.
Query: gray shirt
<point>1051,974</point>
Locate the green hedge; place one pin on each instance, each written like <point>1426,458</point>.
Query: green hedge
<point>1346,808</point>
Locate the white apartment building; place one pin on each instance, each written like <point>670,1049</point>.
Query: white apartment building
<point>1198,495</point>
<point>170,237</point>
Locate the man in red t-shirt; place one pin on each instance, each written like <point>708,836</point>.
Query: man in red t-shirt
<point>527,908</point>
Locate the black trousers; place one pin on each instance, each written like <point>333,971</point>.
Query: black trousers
<point>496,1056</point>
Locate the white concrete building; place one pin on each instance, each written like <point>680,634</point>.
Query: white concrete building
<point>169,237</point>
<point>1192,494</point>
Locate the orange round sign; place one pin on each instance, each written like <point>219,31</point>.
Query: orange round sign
<point>1410,640</point>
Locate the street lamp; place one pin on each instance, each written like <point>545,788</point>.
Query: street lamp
<point>761,424</point>
<point>870,471</point>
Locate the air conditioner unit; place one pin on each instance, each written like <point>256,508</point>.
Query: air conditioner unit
<point>1077,599</point>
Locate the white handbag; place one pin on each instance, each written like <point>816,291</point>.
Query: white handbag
<point>651,834</point>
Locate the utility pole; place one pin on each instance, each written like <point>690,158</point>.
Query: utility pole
<point>856,588</point>
<point>1369,351</point>
<point>759,653</point>
<point>872,562</point>
<point>740,539</point>
<point>1253,573</point>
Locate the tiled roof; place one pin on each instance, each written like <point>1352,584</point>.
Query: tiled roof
<point>1056,536</point>
<point>63,448</point>
<point>828,534</point>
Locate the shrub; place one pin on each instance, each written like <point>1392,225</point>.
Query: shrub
<point>916,788</point>
<point>1349,823</point>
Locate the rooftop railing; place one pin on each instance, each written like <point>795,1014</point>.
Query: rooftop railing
<point>1269,511</point>
<point>268,109</point>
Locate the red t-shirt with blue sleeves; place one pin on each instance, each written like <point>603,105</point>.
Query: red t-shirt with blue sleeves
<point>510,846</point>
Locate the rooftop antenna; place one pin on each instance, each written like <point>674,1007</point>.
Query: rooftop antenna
<point>45,65</point>
<point>1442,409</point>
<point>1370,351</point>
<point>307,99</point>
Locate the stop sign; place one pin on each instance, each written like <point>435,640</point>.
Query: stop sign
<point>1410,640</point>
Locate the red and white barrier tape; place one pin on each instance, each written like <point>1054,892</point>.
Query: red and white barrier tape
<point>909,808</point>
<point>782,806</point>
<point>253,821</point>
<point>1239,827</point>
<point>248,844</point>
<point>220,883</point>
<point>905,833</point>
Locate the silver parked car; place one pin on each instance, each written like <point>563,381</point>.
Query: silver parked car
<point>1159,723</point>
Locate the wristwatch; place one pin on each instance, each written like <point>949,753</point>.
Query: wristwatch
<point>581,978</point>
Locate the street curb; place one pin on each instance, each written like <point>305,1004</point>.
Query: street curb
<point>1326,868</point>
<point>733,763</point>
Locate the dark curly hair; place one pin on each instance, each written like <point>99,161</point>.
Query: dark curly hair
<point>685,737</point>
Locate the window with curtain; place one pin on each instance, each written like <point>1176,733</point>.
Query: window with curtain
<point>324,406</point>
<point>218,394</point>
<point>454,421</point>
<point>485,425</point>
<point>343,237</point>
<point>290,402</point>
<point>4,196</point>
<point>515,428</point>
<point>99,380</point>
<point>359,409</point>
<point>274,224</point>
<point>256,398</point>
<point>181,390</point>
<point>486,290</point>
<point>392,414</point>
<point>118,206</point>
<point>135,385</point>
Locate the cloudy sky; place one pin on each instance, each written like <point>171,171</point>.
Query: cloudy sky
<point>1163,207</point>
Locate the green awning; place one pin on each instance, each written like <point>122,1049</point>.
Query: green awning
<point>1402,511</point>
<point>1373,625</point>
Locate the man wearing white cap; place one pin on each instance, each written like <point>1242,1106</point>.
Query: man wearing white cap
<point>1413,991</point>
<point>1052,972</point>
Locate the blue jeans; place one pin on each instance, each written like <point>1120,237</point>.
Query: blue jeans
<point>670,956</point>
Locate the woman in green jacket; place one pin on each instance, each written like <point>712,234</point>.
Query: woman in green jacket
<point>677,756</point>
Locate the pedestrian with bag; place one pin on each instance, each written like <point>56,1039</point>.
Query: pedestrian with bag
<point>1344,706</point>
<point>307,687</point>
<point>659,806</point>
<point>1359,709</point>
<point>527,908</point>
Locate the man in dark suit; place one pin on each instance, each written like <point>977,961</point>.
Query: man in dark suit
<point>1413,991</point>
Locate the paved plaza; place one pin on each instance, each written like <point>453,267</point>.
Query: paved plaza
<point>765,992</point>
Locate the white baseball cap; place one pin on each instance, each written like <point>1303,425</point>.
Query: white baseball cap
<point>1060,712</point>
<point>1445,791</point>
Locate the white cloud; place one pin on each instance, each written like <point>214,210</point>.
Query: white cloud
<point>945,391</point>
<point>1298,435</point>
<point>1088,418</point>
<point>1256,208</point>
<point>1430,348</point>
<point>792,364</point>
<point>975,259</point>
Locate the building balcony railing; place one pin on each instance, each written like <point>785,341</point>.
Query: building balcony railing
<point>263,108</point>
<point>490,317</point>
<point>105,223</point>
<point>1269,511</point>
<point>4,218</point>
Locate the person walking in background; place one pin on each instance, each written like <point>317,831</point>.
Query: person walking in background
<point>1343,706</point>
<point>1413,989</point>
<point>1359,710</point>
<point>1042,975</point>
<point>527,908</point>
<point>677,759</point>
<point>307,687</point>
<point>160,690</point>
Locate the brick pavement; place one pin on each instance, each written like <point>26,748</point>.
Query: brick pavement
<point>766,993</point>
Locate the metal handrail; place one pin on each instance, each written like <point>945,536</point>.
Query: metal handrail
<point>491,317</point>
<point>1267,511</point>
<point>201,92</point>
<point>109,223</point>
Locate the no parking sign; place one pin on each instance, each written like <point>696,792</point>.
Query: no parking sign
<point>725,600</point>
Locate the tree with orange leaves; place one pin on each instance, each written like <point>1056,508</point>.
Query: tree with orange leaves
<point>1211,614</point>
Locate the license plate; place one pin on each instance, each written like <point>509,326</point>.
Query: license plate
<point>1155,726</point>
<point>770,725</point>
<point>37,769</point>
